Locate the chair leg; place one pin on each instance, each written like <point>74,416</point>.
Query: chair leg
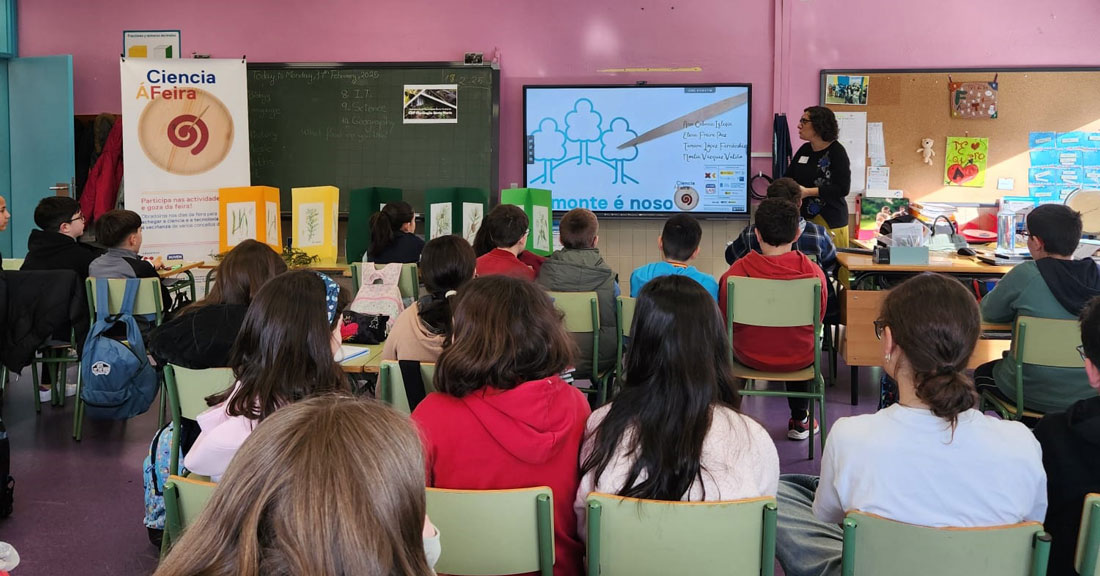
<point>163,405</point>
<point>855,385</point>
<point>34,381</point>
<point>810,412</point>
<point>78,411</point>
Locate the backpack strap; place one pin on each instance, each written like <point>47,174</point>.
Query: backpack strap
<point>414,383</point>
<point>129,296</point>
<point>102,309</point>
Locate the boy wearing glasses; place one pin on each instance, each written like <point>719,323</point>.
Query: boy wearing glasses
<point>1052,285</point>
<point>56,245</point>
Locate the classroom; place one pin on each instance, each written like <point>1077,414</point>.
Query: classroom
<point>885,66</point>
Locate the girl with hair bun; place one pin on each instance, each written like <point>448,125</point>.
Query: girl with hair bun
<point>391,235</point>
<point>931,459</point>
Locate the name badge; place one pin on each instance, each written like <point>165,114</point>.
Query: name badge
<point>803,159</point>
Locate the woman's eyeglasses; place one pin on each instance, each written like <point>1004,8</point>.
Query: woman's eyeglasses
<point>803,121</point>
<point>880,325</point>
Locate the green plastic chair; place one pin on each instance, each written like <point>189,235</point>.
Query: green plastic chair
<point>391,387</point>
<point>184,500</point>
<point>876,545</point>
<point>409,284</point>
<point>187,391</point>
<point>624,317</point>
<point>640,537</point>
<point>1088,538</point>
<point>12,263</point>
<point>1041,342</point>
<point>494,531</point>
<point>147,303</point>
<point>781,304</point>
<point>582,316</point>
<point>211,277</point>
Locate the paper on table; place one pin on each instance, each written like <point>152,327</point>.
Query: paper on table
<point>349,352</point>
<point>878,178</point>
<point>853,136</point>
<point>876,144</point>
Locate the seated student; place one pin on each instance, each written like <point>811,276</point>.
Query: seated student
<point>931,459</point>
<point>1050,286</point>
<point>284,353</point>
<point>679,244</point>
<point>56,246</point>
<point>772,348</point>
<point>578,267</point>
<point>1071,453</point>
<point>673,431</point>
<point>447,264</point>
<point>503,417</point>
<point>120,232</point>
<point>500,242</point>
<point>813,239</point>
<point>391,235</point>
<point>202,334</point>
<point>330,485</point>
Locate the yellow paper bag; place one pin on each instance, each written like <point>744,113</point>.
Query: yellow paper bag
<point>249,212</point>
<point>314,214</point>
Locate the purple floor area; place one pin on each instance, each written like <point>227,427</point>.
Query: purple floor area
<point>79,505</point>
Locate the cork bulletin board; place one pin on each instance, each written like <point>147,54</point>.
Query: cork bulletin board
<point>916,104</point>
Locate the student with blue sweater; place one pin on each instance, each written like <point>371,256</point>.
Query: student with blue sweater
<point>679,244</point>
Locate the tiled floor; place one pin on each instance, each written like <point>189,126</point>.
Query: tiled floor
<point>79,506</point>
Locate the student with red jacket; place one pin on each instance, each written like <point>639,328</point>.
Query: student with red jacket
<point>503,417</point>
<point>499,245</point>
<point>773,348</point>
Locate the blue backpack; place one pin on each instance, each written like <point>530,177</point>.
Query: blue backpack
<point>119,382</point>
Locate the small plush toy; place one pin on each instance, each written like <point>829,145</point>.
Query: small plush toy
<point>926,150</point>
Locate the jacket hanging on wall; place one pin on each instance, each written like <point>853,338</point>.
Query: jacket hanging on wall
<point>781,146</point>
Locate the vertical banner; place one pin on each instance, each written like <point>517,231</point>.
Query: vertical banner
<point>185,135</point>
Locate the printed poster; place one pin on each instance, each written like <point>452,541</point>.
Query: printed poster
<point>472,215</point>
<point>541,227</point>
<point>430,104</point>
<point>310,232</point>
<point>846,90</point>
<point>185,135</point>
<point>440,219</point>
<point>965,161</point>
<point>157,44</point>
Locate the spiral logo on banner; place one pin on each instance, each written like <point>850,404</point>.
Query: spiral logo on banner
<point>188,131</point>
<point>188,135</point>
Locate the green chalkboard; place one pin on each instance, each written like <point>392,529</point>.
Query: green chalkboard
<point>345,125</point>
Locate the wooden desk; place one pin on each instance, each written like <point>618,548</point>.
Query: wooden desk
<point>860,308</point>
<point>364,363</point>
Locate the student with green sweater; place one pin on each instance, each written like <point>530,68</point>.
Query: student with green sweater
<point>1053,285</point>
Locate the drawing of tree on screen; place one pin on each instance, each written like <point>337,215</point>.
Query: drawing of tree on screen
<point>549,145</point>
<point>582,125</point>
<point>619,134</point>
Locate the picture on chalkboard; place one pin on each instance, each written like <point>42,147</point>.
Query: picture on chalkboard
<point>472,214</point>
<point>541,228</point>
<point>851,90</point>
<point>440,219</point>
<point>431,104</point>
<point>242,222</point>
<point>310,220</point>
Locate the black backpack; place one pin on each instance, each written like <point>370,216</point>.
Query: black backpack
<point>7,483</point>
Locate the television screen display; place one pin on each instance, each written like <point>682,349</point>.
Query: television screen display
<point>635,150</point>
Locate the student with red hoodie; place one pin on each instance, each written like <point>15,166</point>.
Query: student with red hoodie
<point>503,417</point>
<point>500,242</point>
<point>773,348</point>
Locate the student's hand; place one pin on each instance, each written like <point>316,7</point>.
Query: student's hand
<point>429,528</point>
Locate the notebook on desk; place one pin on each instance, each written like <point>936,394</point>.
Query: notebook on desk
<point>350,352</point>
<point>990,257</point>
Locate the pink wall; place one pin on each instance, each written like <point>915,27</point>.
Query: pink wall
<point>567,41</point>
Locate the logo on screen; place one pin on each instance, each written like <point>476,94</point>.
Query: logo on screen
<point>686,198</point>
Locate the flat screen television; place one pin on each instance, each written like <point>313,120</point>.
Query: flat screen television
<point>637,150</point>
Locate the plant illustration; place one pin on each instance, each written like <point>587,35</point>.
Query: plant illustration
<point>313,224</point>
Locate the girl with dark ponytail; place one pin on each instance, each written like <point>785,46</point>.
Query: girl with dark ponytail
<point>391,235</point>
<point>932,459</point>
<point>419,332</point>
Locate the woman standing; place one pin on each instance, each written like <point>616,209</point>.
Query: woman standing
<point>821,167</point>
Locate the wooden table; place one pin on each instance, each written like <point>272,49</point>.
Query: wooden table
<point>860,308</point>
<point>184,268</point>
<point>364,363</point>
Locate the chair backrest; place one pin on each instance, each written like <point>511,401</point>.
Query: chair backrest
<point>1088,538</point>
<point>391,386</point>
<point>1047,342</point>
<point>10,264</point>
<point>775,303</point>
<point>582,313</point>
<point>188,389</point>
<point>148,300</point>
<point>494,531</point>
<point>632,536</point>
<point>409,284</point>
<point>626,314</point>
<point>876,545</point>
<point>184,500</point>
